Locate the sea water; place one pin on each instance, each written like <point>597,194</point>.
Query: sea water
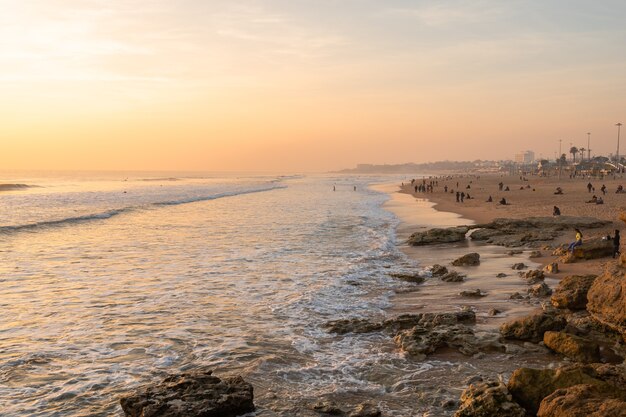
<point>111,281</point>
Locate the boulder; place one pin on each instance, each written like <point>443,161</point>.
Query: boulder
<point>519,266</point>
<point>473,293</point>
<point>532,327</point>
<point>514,252</point>
<point>438,235</point>
<point>415,278</point>
<point>453,276</point>
<point>571,293</point>
<point>494,312</point>
<point>327,407</point>
<point>540,290</point>
<point>533,276</point>
<point>438,270</point>
<point>488,399</point>
<point>535,254</point>
<point>607,299</point>
<point>530,386</point>
<point>574,347</point>
<point>567,258</point>
<point>471,259</point>
<point>552,268</point>
<point>594,249</point>
<point>191,394</point>
<point>500,275</point>
<point>559,251</point>
<point>581,401</point>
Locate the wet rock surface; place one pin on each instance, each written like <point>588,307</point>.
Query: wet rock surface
<point>438,270</point>
<point>415,278</point>
<point>477,293</point>
<point>453,276</point>
<point>571,293</point>
<point>533,276</point>
<point>594,249</point>
<point>192,394</point>
<point>519,266</point>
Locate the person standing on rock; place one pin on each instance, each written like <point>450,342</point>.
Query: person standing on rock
<point>616,239</point>
<point>578,242</point>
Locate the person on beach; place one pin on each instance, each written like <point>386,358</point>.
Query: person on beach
<point>462,196</point>
<point>603,189</point>
<point>620,189</point>
<point>558,191</point>
<point>503,201</point>
<point>577,242</point>
<point>334,187</point>
<point>500,186</point>
<point>616,238</point>
<point>593,200</point>
<point>507,188</point>
<point>556,211</point>
<point>599,200</point>
<point>416,188</point>
<point>489,200</point>
<point>445,189</point>
<point>458,196</point>
<point>589,187</point>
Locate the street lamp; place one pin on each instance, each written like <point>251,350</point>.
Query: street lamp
<point>588,148</point>
<point>619,125</point>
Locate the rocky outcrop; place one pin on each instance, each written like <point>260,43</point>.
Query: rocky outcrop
<point>607,299</point>
<point>488,399</point>
<point>594,249</point>
<point>421,341</point>
<point>533,276</point>
<point>401,322</point>
<point>531,231</point>
<point>574,347</point>
<point>471,259</point>
<point>519,266</point>
<point>438,270</point>
<point>333,409</point>
<point>453,276</point>
<point>571,293</point>
<point>529,386</point>
<point>532,327</point>
<point>438,235</point>
<point>540,290</point>
<point>192,394</point>
<point>535,254</point>
<point>414,278</point>
<point>473,293</point>
<point>581,401</point>
<point>552,268</point>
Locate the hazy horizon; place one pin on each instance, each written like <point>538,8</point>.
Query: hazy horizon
<point>276,86</point>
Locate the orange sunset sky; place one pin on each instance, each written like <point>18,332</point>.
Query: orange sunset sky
<point>304,85</point>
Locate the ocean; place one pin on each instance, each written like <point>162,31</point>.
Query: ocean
<point>110,281</point>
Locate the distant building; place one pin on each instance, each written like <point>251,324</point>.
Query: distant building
<point>525,157</point>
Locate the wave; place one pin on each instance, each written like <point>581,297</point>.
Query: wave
<point>114,212</point>
<point>11,187</point>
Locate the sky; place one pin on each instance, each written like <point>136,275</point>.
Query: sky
<point>299,86</point>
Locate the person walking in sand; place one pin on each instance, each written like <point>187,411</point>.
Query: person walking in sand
<point>577,242</point>
<point>556,211</point>
<point>603,189</point>
<point>462,196</point>
<point>616,242</point>
<point>458,196</point>
<point>589,187</point>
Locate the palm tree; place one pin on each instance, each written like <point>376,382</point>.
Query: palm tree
<point>582,154</point>
<point>573,150</point>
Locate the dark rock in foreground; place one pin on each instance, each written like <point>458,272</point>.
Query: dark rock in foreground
<point>438,270</point>
<point>594,249</point>
<point>193,394</point>
<point>488,399</point>
<point>414,278</point>
<point>471,259</point>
